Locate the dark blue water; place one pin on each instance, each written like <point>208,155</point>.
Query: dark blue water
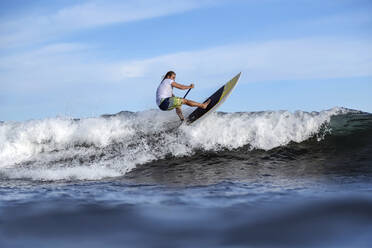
<point>278,185</point>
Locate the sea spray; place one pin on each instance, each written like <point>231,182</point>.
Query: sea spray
<point>110,146</point>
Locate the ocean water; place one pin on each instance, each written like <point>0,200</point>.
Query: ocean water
<point>247,179</point>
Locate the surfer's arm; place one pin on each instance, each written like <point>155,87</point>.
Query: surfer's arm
<point>181,86</point>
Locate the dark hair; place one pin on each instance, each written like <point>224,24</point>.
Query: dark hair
<point>169,74</point>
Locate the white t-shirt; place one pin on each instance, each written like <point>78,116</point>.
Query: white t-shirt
<point>164,90</point>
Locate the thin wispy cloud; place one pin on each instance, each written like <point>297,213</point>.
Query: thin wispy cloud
<point>48,67</point>
<point>80,51</point>
<point>37,27</point>
<point>310,58</point>
<point>272,60</point>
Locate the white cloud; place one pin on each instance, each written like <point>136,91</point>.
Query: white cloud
<point>47,67</point>
<point>74,64</point>
<point>39,27</point>
<point>273,60</point>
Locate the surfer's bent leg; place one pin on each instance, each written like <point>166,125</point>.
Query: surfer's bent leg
<point>176,103</point>
<point>196,104</point>
<point>179,113</point>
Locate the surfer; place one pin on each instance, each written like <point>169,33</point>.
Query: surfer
<point>166,100</point>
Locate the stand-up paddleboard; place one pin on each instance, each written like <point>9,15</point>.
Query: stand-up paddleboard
<point>216,100</point>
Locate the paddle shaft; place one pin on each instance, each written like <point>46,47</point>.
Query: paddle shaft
<point>187,93</point>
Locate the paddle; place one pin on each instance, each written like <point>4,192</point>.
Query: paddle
<point>187,93</point>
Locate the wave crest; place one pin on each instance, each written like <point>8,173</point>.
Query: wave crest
<point>110,146</point>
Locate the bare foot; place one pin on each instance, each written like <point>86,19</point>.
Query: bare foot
<point>205,105</point>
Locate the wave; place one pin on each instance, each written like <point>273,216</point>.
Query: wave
<point>112,145</point>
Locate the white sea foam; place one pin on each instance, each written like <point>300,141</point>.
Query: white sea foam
<point>95,148</point>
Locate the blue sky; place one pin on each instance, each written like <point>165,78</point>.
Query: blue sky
<point>86,58</point>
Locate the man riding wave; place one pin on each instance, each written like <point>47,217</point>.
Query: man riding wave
<point>166,100</point>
